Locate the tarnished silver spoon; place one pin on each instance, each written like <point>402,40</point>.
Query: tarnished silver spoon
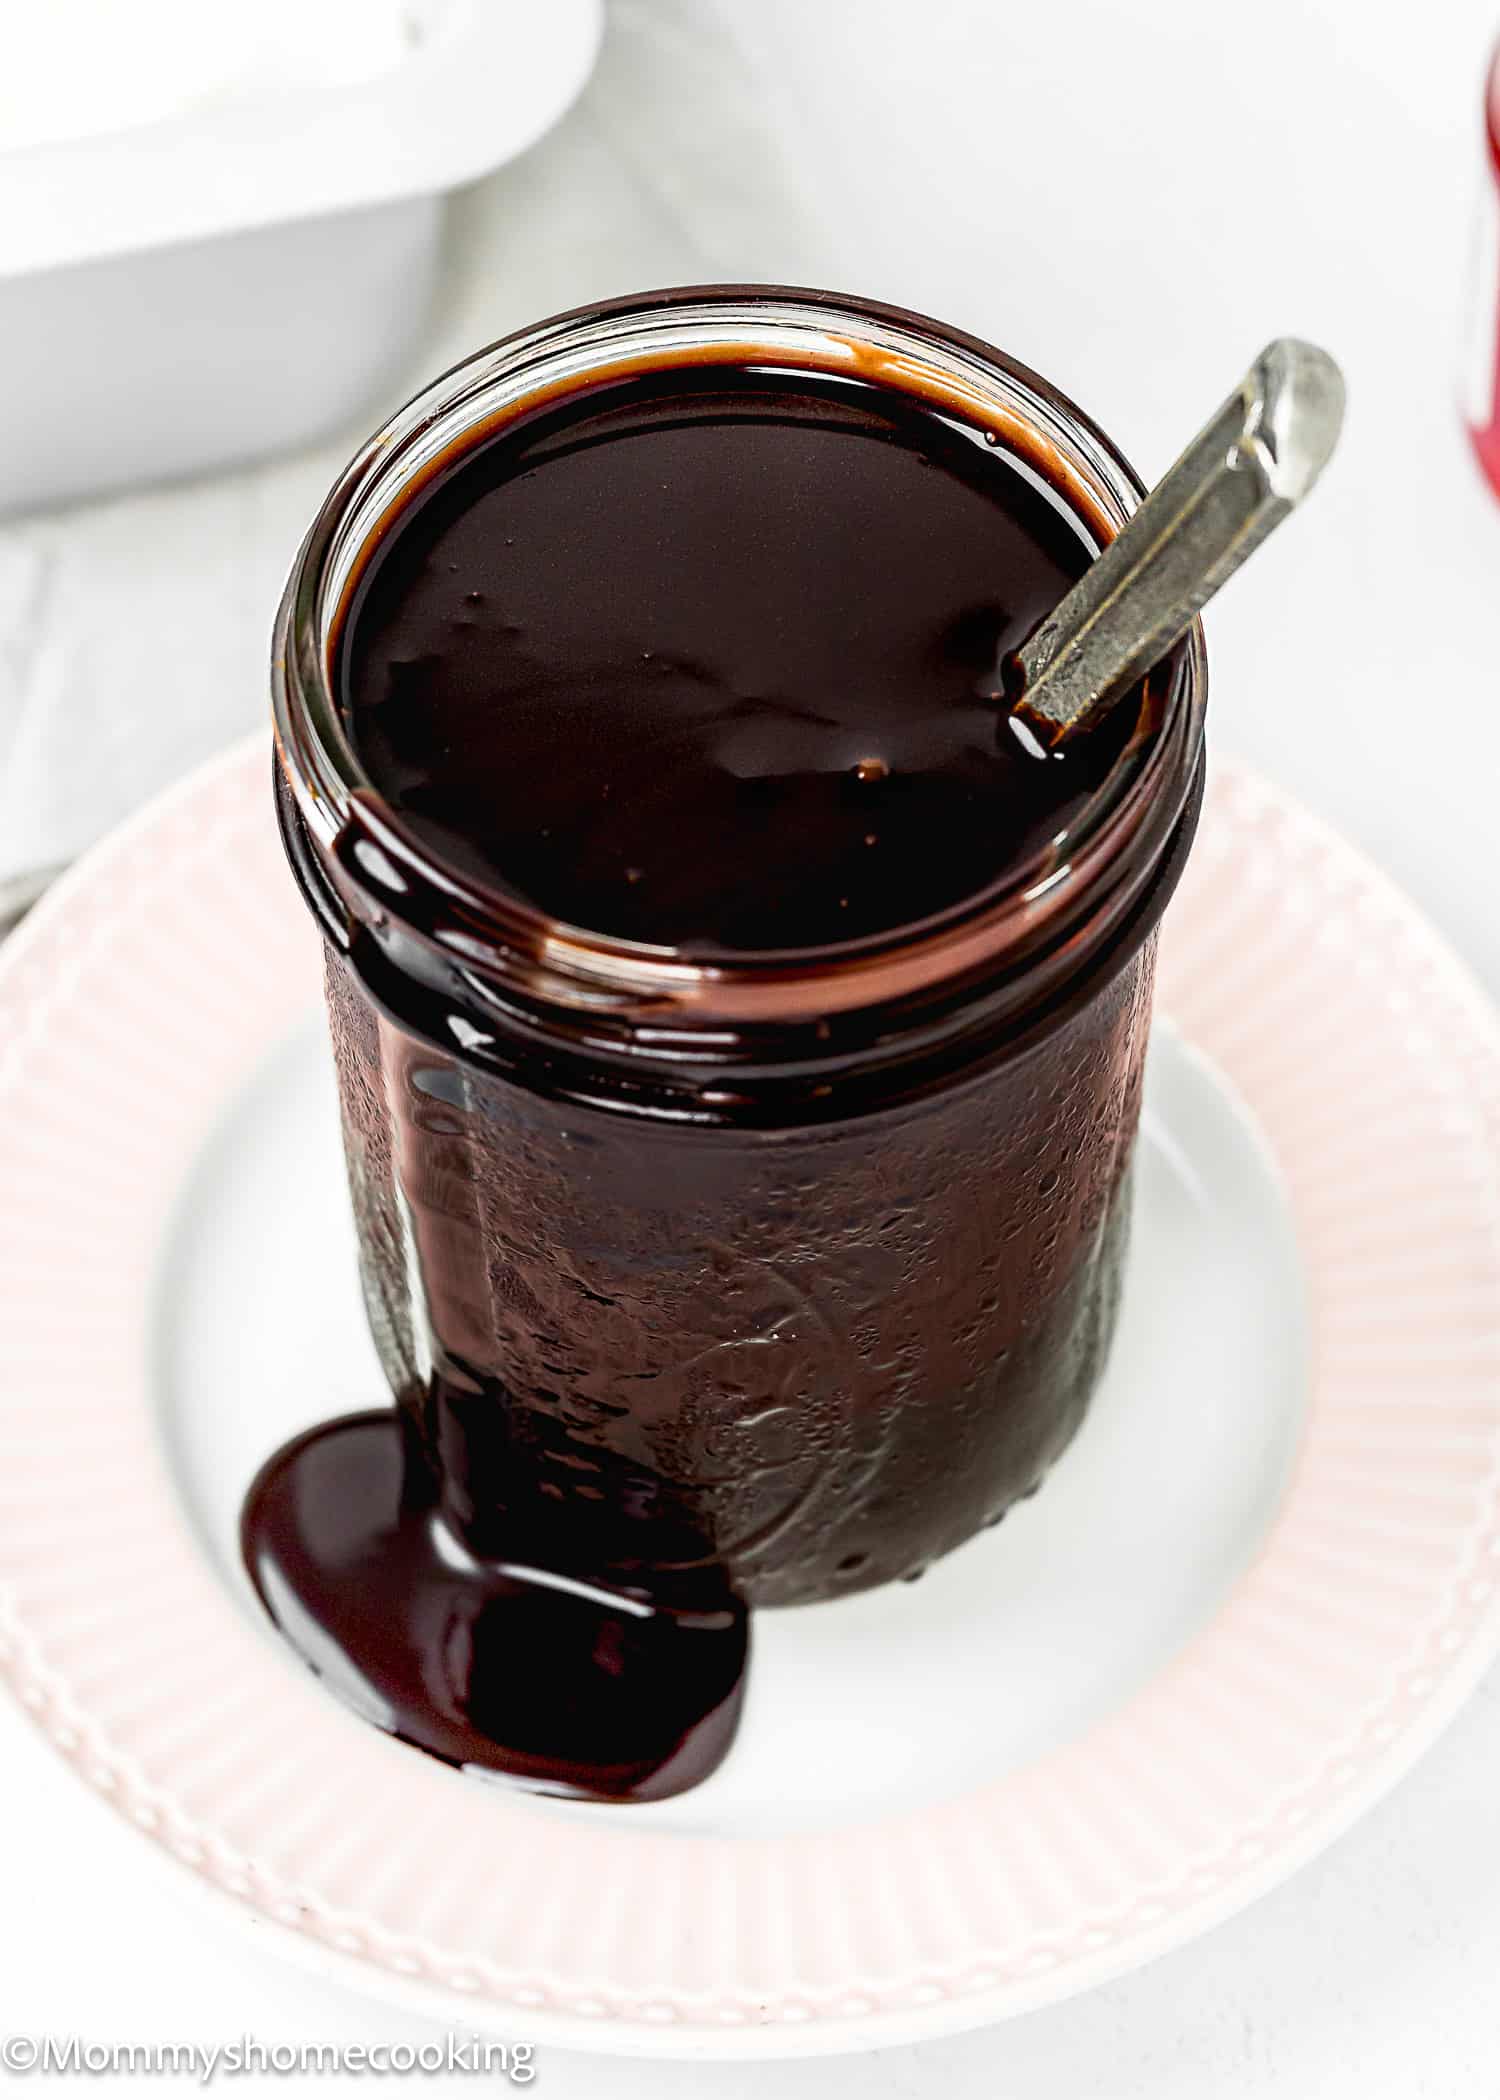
<point>1250,465</point>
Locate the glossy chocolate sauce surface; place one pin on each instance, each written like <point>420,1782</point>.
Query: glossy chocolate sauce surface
<point>491,1664</point>
<point>696,660</point>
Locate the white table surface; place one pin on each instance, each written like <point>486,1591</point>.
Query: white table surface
<point>1131,195</point>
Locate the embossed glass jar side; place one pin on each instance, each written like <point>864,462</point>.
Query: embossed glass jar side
<point>838,1350</point>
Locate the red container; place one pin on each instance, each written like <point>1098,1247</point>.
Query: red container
<point>1482,373</point>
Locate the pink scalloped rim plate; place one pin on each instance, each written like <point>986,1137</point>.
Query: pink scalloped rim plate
<point>1253,1592</point>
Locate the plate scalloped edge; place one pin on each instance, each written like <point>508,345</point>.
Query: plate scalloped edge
<point>1371,1610</point>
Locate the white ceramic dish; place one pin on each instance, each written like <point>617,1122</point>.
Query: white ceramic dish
<point>1253,1591</point>
<point>235,277</point>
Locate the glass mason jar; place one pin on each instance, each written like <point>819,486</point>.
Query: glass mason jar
<point>811,1257</point>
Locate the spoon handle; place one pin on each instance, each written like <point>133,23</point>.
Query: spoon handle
<point>1250,465</point>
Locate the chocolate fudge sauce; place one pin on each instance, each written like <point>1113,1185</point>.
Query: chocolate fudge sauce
<point>488,1663</point>
<point>695,659</point>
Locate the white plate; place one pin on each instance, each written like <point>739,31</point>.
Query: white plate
<point>1255,1587</point>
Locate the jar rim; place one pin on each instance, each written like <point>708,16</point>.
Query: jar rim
<point>502,936</point>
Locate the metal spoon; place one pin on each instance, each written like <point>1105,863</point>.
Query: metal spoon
<point>1249,466</point>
